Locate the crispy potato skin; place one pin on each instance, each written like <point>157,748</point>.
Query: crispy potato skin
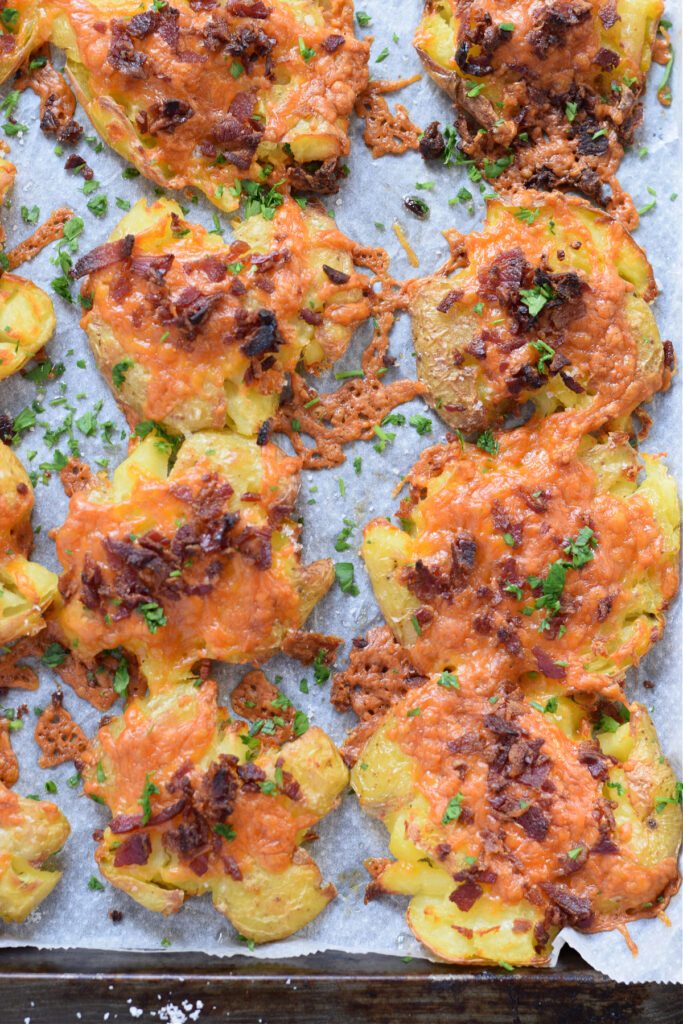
<point>442,773</point>
<point>486,55</point>
<point>592,348</point>
<point>195,374</point>
<point>30,832</point>
<point>482,531</point>
<point>246,850</point>
<point>214,567</point>
<point>222,115</point>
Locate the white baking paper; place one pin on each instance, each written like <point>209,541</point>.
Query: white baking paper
<point>372,194</point>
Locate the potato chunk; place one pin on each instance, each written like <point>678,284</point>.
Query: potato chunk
<point>210,95</point>
<point>26,588</point>
<point>196,561</point>
<point>508,821</point>
<point>25,26</point>
<point>200,805</point>
<point>30,832</point>
<point>221,324</point>
<point>496,562</point>
<point>552,307</point>
<point>547,93</point>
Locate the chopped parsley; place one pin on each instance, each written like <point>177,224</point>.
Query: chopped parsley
<point>148,790</point>
<point>546,354</point>
<point>54,656</point>
<point>343,572</point>
<point>305,51</point>
<point>448,679</point>
<point>487,442</point>
<point>225,831</point>
<point>153,615</point>
<point>453,809</point>
<point>95,885</point>
<point>119,371</point>
<point>301,723</point>
<point>536,298</point>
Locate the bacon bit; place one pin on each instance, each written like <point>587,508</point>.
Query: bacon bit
<point>466,895</point>
<point>306,647</point>
<point>253,699</point>
<point>136,849</point>
<point>450,299</point>
<point>103,256</point>
<point>76,476</point>
<point>59,737</point>
<point>386,132</point>
<point>546,665</point>
<point>50,231</point>
<point>398,231</point>
<point>9,766</point>
<point>21,677</point>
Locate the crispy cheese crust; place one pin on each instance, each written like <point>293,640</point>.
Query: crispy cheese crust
<point>30,832</point>
<point>552,305</point>
<point>199,807</point>
<point>195,333</point>
<point>553,84</point>
<point>512,820</point>
<point>542,554</point>
<point>206,94</point>
<point>201,561</point>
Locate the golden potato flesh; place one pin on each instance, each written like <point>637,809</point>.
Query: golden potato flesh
<point>511,819</point>
<point>26,588</point>
<point>199,561</point>
<point>546,92</point>
<point>195,333</point>
<point>209,95</point>
<point>200,805</point>
<point>27,320</point>
<point>25,26</point>
<point>496,565</point>
<point>30,832</point>
<point>551,307</point>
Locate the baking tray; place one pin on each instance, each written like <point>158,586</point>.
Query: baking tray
<point>64,986</point>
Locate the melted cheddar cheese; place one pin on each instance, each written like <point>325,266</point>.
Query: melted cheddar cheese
<point>205,94</point>
<point>512,818</point>
<point>554,85</point>
<point>540,554</point>
<point>195,333</point>
<point>200,563</point>
<point>199,807</point>
<point>552,307</point>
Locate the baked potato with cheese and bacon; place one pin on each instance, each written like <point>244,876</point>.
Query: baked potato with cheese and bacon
<point>200,805</point>
<point>30,832</point>
<point>552,306</point>
<point>511,819</point>
<point>212,94</point>
<point>195,332</point>
<point>176,565</point>
<point>547,92</point>
<point>530,551</point>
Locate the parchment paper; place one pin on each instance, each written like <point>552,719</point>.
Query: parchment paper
<point>76,916</point>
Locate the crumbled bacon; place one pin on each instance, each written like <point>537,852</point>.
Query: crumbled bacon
<point>553,21</point>
<point>261,331</point>
<point>103,256</point>
<point>453,296</point>
<point>432,145</point>
<point>166,115</point>
<point>466,895</point>
<point>482,36</point>
<point>534,822</point>
<point>136,849</point>
<point>336,276</point>
<point>333,43</point>
<point>546,665</point>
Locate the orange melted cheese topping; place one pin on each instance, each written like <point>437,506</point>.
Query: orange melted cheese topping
<point>584,300</point>
<point>189,312</point>
<point>486,530</point>
<point>525,798</point>
<point>217,89</point>
<point>215,570</point>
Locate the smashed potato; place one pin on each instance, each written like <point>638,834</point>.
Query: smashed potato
<point>547,92</point>
<point>196,333</point>
<point>509,821</point>
<point>26,588</point>
<point>30,832</point>
<point>212,94</point>
<point>553,307</point>
<point>201,560</point>
<point>199,806</point>
<point>530,552</point>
